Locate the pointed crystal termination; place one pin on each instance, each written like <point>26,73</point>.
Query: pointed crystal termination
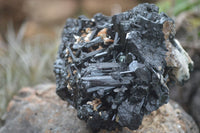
<point>114,70</point>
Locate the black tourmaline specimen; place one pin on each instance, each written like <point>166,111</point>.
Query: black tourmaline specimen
<point>114,70</point>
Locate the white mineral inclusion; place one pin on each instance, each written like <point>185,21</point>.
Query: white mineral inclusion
<point>128,35</point>
<point>183,72</point>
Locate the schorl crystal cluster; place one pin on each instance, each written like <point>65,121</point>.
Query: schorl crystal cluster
<point>114,70</point>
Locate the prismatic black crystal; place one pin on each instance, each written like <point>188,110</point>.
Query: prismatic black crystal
<point>114,70</point>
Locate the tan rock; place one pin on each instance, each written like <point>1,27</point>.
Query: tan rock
<point>108,7</point>
<point>39,109</point>
<point>50,11</point>
<point>11,12</point>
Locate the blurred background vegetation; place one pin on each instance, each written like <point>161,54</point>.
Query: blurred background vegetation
<point>30,33</point>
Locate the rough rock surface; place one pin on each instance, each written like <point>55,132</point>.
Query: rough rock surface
<point>39,110</point>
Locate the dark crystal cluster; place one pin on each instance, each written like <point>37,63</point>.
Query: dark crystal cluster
<point>114,70</point>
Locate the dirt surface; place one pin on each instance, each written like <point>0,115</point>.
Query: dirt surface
<point>39,109</point>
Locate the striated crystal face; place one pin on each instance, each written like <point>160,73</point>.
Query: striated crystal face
<point>114,70</point>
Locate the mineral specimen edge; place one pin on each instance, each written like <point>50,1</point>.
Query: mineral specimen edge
<point>114,70</point>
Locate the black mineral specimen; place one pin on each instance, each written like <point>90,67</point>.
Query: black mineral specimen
<point>114,70</point>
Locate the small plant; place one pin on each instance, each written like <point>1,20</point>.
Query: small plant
<point>24,63</point>
<point>175,7</point>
